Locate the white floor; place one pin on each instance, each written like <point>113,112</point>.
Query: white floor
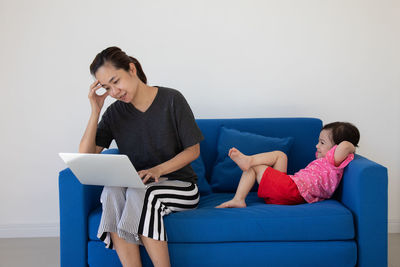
<point>45,252</point>
<point>394,250</point>
<point>33,252</point>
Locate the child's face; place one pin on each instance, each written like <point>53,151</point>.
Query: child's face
<point>325,143</point>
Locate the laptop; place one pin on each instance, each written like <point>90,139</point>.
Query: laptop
<point>104,169</point>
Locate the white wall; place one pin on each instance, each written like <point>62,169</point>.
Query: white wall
<point>336,60</point>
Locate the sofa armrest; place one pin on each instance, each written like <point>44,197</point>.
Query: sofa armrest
<point>76,202</point>
<point>364,191</point>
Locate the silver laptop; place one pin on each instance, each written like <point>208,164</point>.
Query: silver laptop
<point>104,169</point>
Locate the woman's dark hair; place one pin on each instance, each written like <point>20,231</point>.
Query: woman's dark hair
<point>343,131</point>
<point>118,59</point>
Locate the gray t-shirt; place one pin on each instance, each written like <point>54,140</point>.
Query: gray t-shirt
<point>152,137</point>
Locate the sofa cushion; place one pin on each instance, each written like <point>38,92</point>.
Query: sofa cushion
<point>202,183</point>
<point>322,221</point>
<point>226,174</point>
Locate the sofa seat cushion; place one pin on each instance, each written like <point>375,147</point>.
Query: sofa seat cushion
<point>259,222</point>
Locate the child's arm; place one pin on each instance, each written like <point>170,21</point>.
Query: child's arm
<point>342,151</point>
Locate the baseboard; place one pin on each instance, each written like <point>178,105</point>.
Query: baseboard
<point>29,230</point>
<point>394,226</point>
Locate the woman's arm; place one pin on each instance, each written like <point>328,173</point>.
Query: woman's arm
<point>88,141</point>
<point>342,151</point>
<point>179,161</point>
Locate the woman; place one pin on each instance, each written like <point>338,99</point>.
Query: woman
<point>155,128</point>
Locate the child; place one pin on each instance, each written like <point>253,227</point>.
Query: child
<point>316,182</point>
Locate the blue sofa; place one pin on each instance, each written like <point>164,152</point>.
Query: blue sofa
<point>348,230</point>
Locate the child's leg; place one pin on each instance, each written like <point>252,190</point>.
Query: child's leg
<point>253,169</point>
<point>275,159</point>
<point>246,183</point>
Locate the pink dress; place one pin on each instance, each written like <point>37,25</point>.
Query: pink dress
<point>319,180</point>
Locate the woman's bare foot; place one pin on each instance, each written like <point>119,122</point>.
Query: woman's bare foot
<point>233,204</point>
<point>243,161</point>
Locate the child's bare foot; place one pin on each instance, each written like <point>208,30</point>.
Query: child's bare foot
<point>233,204</point>
<point>243,161</point>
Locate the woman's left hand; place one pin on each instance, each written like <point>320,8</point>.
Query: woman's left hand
<point>154,172</point>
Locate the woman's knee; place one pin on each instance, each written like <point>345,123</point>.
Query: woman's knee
<point>113,192</point>
<point>135,194</point>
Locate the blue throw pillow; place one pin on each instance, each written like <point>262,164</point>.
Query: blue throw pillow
<point>226,174</point>
<point>200,170</point>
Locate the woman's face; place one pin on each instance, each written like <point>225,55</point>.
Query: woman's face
<point>120,84</point>
<point>325,143</point>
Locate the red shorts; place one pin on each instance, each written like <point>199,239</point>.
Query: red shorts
<point>278,188</point>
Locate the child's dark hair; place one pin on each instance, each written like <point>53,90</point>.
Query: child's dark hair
<point>343,131</point>
<point>117,58</point>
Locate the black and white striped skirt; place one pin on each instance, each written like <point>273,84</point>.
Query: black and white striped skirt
<point>132,212</point>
